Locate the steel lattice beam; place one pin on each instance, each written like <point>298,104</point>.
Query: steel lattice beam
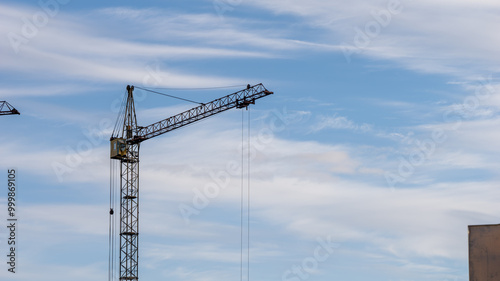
<point>239,99</point>
<point>129,214</point>
<point>7,109</point>
<point>129,196</point>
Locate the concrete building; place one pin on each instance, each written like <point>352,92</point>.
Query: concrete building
<point>484,252</point>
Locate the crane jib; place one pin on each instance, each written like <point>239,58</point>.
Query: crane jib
<point>125,148</point>
<point>239,99</point>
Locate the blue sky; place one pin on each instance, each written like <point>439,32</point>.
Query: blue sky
<point>379,142</point>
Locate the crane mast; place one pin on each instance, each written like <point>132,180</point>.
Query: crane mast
<point>125,144</point>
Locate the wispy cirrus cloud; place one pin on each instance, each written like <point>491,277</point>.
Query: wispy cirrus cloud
<point>452,38</point>
<point>339,122</point>
<point>75,51</point>
<point>301,188</point>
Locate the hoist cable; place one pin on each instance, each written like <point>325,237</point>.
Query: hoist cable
<point>110,221</point>
<point>248,142</point>
<point>171,96</point>
<point>205,88</point>
<point>113,200</point>
<point>248,196</point>
<point>121,115</point>
<point>111,254</point>
<point>242,184</point>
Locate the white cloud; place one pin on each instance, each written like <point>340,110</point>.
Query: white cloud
<point>459,44</point>
<point>339,122</point>
<point>299,186</point>
<point>209,29</point>
<point>309,201</point>
<point>433,37</point>
<point>76,52</point>
<point>59,221</point>
<point>305,189</point>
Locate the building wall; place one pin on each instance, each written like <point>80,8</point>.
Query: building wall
<point>484,252</point>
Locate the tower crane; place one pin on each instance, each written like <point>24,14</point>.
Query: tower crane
<point>125,143</point>
<point>7,109</point>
